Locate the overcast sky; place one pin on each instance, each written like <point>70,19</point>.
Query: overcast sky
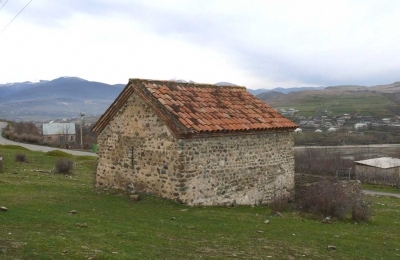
<point>257,44</point>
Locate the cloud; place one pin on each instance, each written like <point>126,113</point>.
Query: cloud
<point>263,43</point>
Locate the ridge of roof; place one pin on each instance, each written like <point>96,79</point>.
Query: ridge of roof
<point>195,84</point>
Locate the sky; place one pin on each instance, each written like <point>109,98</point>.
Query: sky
<point>257,44</point>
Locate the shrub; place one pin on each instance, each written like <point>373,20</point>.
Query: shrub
<point>20,157</point>
<point>23,137</point>
<point>14,137</point>
<point>333,199</point>
<point>361,209</point>
<point>7,133</point>
<point>64,165</point>
<point>34,139</point>
<point>320,161</point>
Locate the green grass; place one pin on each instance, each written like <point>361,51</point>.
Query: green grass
<point>381,188</point>
<point>338,105</point>
<point>58,153</point>
<point>14,147</point>
<point>108,225</point>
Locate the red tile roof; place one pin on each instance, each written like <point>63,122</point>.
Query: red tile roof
<point>190,108</point>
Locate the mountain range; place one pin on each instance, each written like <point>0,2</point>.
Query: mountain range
<point>376,101</point>
<point>58,98</point>
<point>66,97</point>
<point>62,97</point>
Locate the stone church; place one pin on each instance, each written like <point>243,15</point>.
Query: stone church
<point>198,144</point>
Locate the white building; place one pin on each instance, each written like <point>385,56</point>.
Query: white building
<point>332,129</point>
<point>360,126</point>
<point>298,130</point>
<point>59,132</point>
<point>384,170</point>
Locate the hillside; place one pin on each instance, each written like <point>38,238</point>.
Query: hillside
<point>379,101</point>
<point>68,96</point>
<point>61,97</point>
<point>269,95</point>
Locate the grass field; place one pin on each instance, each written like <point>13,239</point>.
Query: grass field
<point>382,188</point>
<point>308,105</point>
<point>108,225</point>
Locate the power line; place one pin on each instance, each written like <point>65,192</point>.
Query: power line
<point>3,4</point>
<point>16,15</point>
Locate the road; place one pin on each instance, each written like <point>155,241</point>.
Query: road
<point>349,146</point>
<point>33,147</point>
<point>372,192</point>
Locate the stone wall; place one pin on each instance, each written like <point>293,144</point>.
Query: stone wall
<point>248,169</point>
<point>138,152</point>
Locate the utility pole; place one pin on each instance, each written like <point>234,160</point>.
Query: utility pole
<point>81,115</point>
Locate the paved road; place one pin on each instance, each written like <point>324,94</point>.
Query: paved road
<point>348,146</point>
<point>372,192</point>
<point>33,147</point>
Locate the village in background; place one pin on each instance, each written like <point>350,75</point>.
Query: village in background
<point>71,133</point>
<point>321,130</point>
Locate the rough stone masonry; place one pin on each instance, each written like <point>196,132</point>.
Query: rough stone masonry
<point>138,152</point>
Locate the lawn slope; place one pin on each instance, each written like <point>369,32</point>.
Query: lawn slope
<point>39,223</point>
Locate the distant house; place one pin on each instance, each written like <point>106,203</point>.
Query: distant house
<point>360,126</point>
<point>340,121</point>
<point>346,116</point>
<point>292,111</point>
<point>199,144</point>
<point>384,170</point>
<point>386,120</point>
<point>298,130</point>
<point>59,132</point>
<point>331,129</point>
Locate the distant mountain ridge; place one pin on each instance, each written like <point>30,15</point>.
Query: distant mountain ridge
<point>61,97</point>
<point>68,96</point>
<point>376,101</point>
<point>283,90</point>
<point>65,87</point>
